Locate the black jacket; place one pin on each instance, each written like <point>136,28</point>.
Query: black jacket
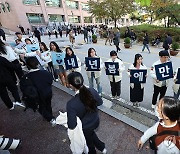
<point>146,40</point>
<point>6,69</point>
<point>76,108</point>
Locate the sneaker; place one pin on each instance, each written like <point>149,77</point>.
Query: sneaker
<point>134,104</point>
<point>137,104</point>
<point>53,122</point>
<point>153,106</point>
<point>104,151</point>
<point>12,108</point>
<point>18,104</point>
<point>117,97</point>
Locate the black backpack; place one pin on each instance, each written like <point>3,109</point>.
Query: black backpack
<point>152,139</point>
<point>30,93</point>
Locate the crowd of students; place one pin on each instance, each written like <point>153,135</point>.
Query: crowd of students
<point>42,72</point>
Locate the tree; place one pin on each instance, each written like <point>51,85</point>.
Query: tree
<point>170,12</point>
<point>111,9</point>
<point>144,2</point>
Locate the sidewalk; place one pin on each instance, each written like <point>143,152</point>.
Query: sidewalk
<point>38,137</point>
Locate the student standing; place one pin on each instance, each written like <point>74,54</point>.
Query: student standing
<point>160,87</point>
<point>84,105</point>
<point>60,70</point>
<point>137,89</point>
<point>37,34</point>
<point>42,80</point>
<point>69,54</point>
<point>46,56</point>
<point>115,81</point>
<point>94,75</point>
<point>168,143</point>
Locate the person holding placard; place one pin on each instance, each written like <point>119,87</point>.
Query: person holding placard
<point>69,54</point>
<point>115,80</point>
<point>137,88</point>
<point>58,62</point>
<point>46,56</point>
<point>176,86</point>
<point>94,75</point>
<point>160,87</point>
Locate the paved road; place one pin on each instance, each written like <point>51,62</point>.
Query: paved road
<point>127,56</point>
<point>38,137</point>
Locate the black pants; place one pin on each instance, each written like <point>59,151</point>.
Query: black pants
<point>11,86</point>
<point>93,141</point>
<point>18,71</point>
<point>115,88</point>
<point>39,38</point>
<point>118,48</point>
<point>45,108</point>
<point>157,91</point>
<point>52,71</point>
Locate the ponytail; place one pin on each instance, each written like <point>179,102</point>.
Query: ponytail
<point>87,99</point>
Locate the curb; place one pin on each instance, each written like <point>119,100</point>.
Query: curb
<point>106,108</point>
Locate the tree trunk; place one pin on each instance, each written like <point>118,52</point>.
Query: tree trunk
<point>168,22</point>
<point>115,22</point>
<point>165,22</point>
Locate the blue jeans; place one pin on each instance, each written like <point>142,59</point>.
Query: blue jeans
<point>145,46</point>
<point>177,95</point>
<point>91,82</point>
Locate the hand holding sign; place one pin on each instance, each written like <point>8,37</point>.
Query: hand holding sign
<point>138,76</point>
<point>71,63</point>
<point>164,71</point>
<point>92,64</point>
<point>112,68</point>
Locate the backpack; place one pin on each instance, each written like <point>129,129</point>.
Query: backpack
<point>30,93</point>
<point>152,139</point>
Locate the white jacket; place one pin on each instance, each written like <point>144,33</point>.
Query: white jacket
<point>96,73</point>
<point>78,142</point>
<point>10,54</point>
<point>131,67</point>
<point>153,75</point>
<point>176,86</point>
<point>121,69</point>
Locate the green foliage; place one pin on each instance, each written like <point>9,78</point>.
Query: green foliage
<point>94,37</point>
<point>111,9</point>
<point>144,2</point>
<point>175,46</point>
<point>127,40</point>
<point>153,31</point>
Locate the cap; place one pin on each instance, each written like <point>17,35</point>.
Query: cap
<point>164,53</point>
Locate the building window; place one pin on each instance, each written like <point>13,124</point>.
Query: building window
<point>54,3</point>
<point>74,19</point>
<point>3,7</point>
<point>56,18</point>
<point>85,6</point>
<point>7,6</point>
<point>35,18</point>
<point>31,2</point>
<point>87,19</point>
<point>72,4</point>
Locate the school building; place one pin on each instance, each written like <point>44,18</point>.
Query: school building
<point>28,13</point>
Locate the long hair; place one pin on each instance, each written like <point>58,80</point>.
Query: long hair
<point>76,80</point>
<point>44,45</point>
<point>56,45</point>
<point>71,51</point>
<point>2,47</point>
<point>137,56</point>
<point>89,52</point>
